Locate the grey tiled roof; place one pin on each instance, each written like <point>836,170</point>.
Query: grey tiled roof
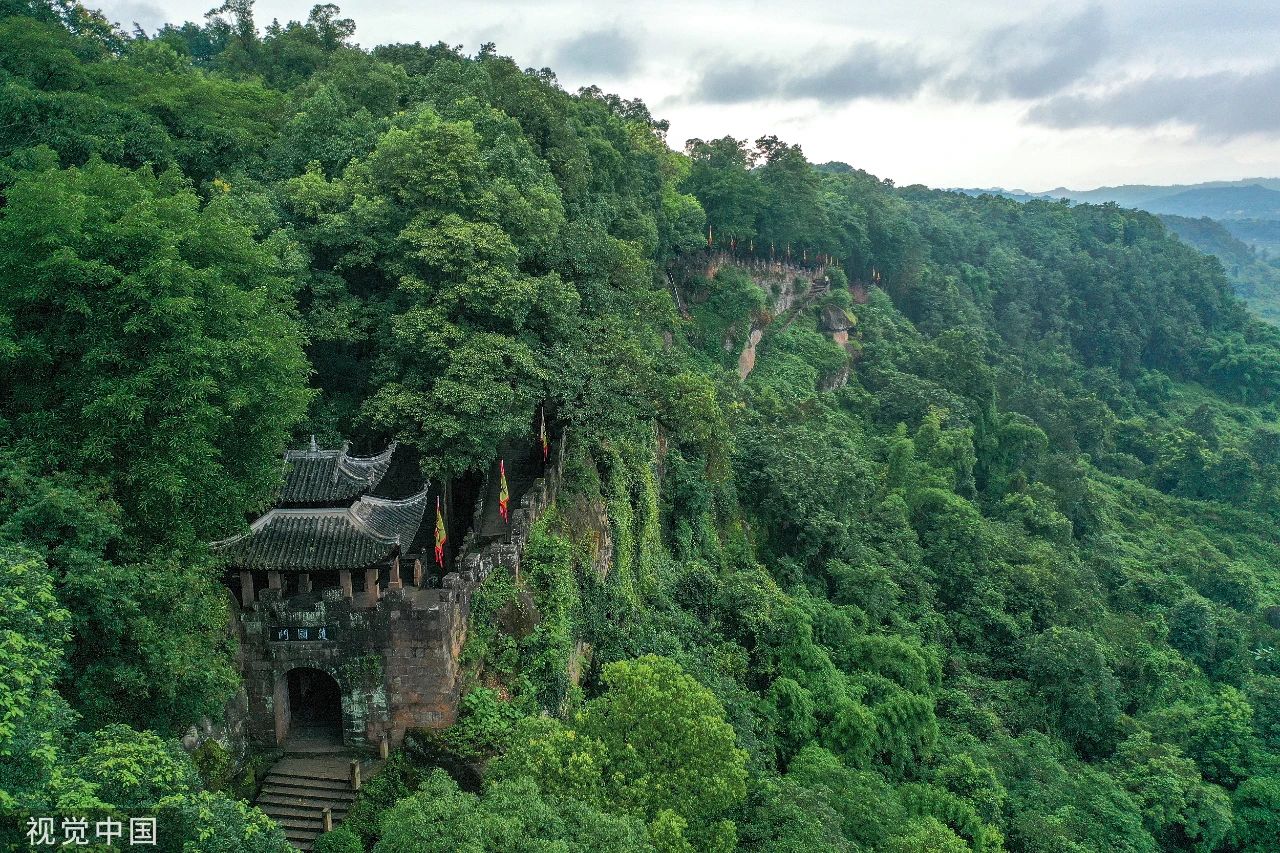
<point>318,476</point>
<point>361,535</point>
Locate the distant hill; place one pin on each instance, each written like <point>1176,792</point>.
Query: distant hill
<point>1236,222</point>
<point>1262,234</point>
<point>1255,278</point>
<point>1252,199</point>
<point>1147,196</point>
<point>1016,195</point>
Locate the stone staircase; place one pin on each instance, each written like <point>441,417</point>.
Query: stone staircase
<point>298,788</point>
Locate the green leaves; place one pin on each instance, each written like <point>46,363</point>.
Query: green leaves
<point>33,633</point>
<point>513,816</point>
<point>1070,672</point>
<point>156,371</point>
<point>122,768</point>
<point>655,744</point>
<point>1005,581</point>
<point>151,343</point>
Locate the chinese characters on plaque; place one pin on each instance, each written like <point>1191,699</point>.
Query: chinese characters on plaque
<point>310,634</point>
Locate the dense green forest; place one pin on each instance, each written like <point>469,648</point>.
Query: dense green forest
<point>1009,587</point>
<point>1255,276</point>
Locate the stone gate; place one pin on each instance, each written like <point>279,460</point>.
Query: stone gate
<point>334,579</point>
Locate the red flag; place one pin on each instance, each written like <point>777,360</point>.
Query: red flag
<point>441,536</point>
<point>542,435</point>
<point>504,497</point>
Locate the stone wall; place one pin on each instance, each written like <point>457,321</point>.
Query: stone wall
<point>396,663</point>
<point>229,732</point>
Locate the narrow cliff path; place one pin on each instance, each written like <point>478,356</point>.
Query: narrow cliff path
<point>524,466</point>
<point>785,307</point>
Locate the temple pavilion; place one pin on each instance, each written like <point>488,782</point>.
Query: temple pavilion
<point>325,527</point>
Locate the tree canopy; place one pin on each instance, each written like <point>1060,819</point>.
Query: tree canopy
<point>953,532</point>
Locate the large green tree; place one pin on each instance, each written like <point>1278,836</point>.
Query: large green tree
<point>149,344</point>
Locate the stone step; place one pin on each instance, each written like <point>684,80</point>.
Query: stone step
<point>299,792</point>
<point>273,801</point>
<point>334,785</point>
<point>302,824</point>
<point>276,810</point>
<point>294,798</point>
<point>335,768</point>
<point>295,801</point>
<point>292,802</point>
<point>301,842</point>
<point>297,789</point>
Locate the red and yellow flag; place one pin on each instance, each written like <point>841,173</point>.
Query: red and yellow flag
<point>542,435</point>
<point>441,536</point>
<point>504,496</point>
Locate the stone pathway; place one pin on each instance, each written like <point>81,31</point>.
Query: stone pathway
<point>524,466</point>
<point>299,787</point>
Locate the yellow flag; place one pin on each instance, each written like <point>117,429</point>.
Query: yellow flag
<point>441,536</point>
<point>504,497</point>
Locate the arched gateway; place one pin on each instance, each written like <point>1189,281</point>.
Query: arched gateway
<point>309,711</point>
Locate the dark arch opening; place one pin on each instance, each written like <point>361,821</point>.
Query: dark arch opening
<point>315,711</point>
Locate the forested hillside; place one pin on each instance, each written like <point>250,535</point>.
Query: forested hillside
<point>998,572</point>
<point>1248,198</point>
<point>1256,277</point>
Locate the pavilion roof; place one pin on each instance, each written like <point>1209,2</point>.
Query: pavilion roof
<point>364,534</point>
<point>315,476</point>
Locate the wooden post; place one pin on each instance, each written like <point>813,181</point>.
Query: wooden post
<point>394,581</point>
<point>384,748</point>
<point>417,573</point>
<point>273,580</point>
<point>326,819</point>
<point>371,587</point>
<point>246,588</point>
<point>344,580</point>
<point>355,774</point>
<point>304,582</point>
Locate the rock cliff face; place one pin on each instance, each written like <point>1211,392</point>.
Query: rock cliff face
<point>747,359</point>
<point>789,289</point>
<point>837,322</point>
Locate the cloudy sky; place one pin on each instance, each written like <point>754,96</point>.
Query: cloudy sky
<point>1013,93</point>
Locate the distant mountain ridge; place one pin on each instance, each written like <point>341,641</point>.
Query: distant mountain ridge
<point>1248,208</point>
<point>1140,195</point>
<point>1256,278</point>
<point>1251,198</point>
<point>1223,203</point>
